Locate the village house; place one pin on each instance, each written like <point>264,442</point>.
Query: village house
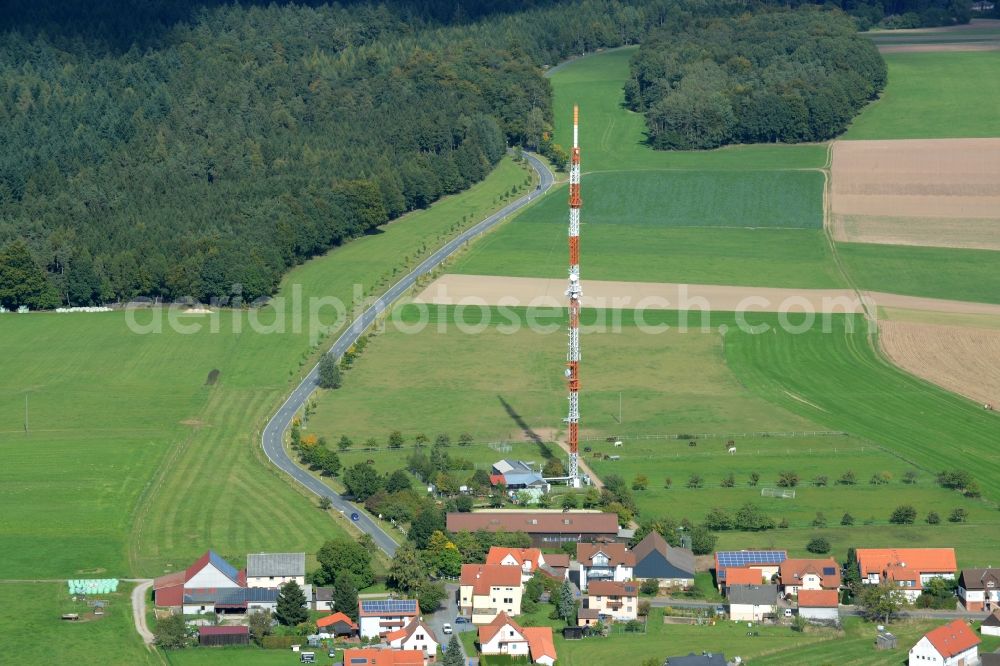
<point>275,569</point>
<point>377,617</point>
<point>656,559</point>
<point>991,625</point>
<point>744,576</point>
<point>953,644</point>
<point>382,657</point>
<point>556,566</point>
<point>979,589</point>
<point>609,601</point>
<point>765,562</point>
<point>751,603</point>
<point>547,529</point>
<point>819,605</point>
<point>603,561</point>
<point>337,624</point>
<point>909,569</point>
<point>415,636</point>
<point>503,636</point>
<point>322,598</point>
<point>485,590</point>
<point>529,560</point>
<point>808,574</point>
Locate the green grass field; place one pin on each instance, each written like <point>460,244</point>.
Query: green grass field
<point>934,96</point>
<point>484,384</point>
<point>132,464</point>
<point>613,138</point>
<point>226,656</point>
<point>34,633</point>
<point>936,272</point>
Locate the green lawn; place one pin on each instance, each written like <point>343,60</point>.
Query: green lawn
<point>965,275</point>
<point>838,380</point>
<point>134,465</point>
<point>935,95</point>
<point>250,656</point>
<point>494,384</point>
<point>33,632</point>
<point>613,138</point>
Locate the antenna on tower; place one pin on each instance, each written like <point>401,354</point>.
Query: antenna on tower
<point>575,292</point>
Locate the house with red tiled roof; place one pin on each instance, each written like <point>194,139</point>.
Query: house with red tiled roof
<point>415,636</point>
<point>529,560</point>
<point>503,636</point>
<point>908,569</point>
<point>485,590</point>
<point>382,657</point>
<point>819,605</point>
<point>809,574</point>
<point>337,624</point>
<point>604,561</point>
<point>744,576</point>
<point>953,644</point>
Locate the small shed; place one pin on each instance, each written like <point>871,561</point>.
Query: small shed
<point>574,633</point>
<point>886,641</point>
<point>224,635</point>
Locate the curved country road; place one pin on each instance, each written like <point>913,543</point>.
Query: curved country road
<point>273,437</point>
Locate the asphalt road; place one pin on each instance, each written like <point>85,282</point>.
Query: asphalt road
<point>272,439</point>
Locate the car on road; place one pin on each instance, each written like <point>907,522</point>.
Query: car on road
<point>446,628</point>
<point>462,620</point>
<point>720,610</point>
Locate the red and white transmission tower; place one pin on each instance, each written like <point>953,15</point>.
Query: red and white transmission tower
<point>575,291</point>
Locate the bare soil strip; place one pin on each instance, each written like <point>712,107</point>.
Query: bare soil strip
<point>494,290</point>
<point>932,192</point>
<point>475,290</point>
<point>955,47</point>
<point>961,359</point>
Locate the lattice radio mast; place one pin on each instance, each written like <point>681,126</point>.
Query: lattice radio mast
<point>575,291</point>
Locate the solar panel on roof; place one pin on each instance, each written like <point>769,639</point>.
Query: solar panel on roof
<point>829,571</point>
<point>389,605</point>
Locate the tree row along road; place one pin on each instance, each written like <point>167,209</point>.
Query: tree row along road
<point>272,439</point>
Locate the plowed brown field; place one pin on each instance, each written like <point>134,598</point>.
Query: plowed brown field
<point>932,192</point>
<point>961,359</point>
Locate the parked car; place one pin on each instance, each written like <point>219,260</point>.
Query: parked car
<point>462,620</point>
<point>720,610</point>
<point>446,628</point>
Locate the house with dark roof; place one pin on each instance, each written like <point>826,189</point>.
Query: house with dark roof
<point>485,590</point>
<point>231,600</point>
<point>556,566</point>
<point>604,561</point>
<point>953,644</point>
<point>703,659</point>
<point>323,599</point>
<point>991,625</point>
<point>979,589</point>
<point>377,617</point>
<point>656,559</point>
<point>751,603</point>
<point>223,635</point>
<point>210,571</point>
<point>609,601</point>
<point>989,658</point>
<point>275,569</point>
<point>547,528</point>
<point>808,574</point>
<point>415,636</point>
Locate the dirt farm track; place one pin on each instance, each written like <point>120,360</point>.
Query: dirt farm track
<point>931,192</point>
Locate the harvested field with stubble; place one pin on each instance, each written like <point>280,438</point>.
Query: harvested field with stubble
<point>927,192</point>
<point>962,359</point>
